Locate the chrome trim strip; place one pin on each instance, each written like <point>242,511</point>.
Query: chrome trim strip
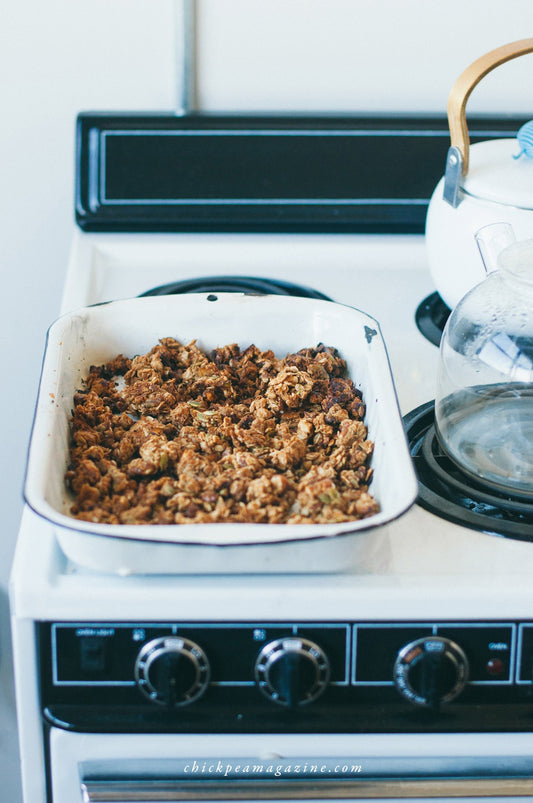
<point>155,791</point>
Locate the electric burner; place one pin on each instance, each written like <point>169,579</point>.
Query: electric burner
<point>449,493</point>
<point>236,284</point>
<point>431,316</point>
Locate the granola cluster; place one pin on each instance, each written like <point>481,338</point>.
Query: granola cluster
<point>180,436</point>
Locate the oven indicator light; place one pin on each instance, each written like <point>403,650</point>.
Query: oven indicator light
<point>495,667</point>
<point>139,634</point>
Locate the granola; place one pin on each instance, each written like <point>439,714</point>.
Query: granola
<point>180,436</point>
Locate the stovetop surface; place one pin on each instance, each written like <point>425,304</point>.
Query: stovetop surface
<point>458,572</point>
<point>384,276</point>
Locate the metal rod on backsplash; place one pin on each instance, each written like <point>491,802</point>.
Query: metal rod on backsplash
<point>186,100</point>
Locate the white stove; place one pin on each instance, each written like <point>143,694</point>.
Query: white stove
<point>381,722</point>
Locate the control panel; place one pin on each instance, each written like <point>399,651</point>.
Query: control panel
<point>346,676</point>
<point>290,665</point>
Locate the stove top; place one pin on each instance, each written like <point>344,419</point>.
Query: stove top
<point>384,275</point>
<point>419,556</point>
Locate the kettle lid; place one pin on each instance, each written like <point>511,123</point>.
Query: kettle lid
<point>501,173</point>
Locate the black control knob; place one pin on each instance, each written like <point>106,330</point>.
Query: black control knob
<point>172,671</point>
<point>431,671</point>
<point>292,671</point>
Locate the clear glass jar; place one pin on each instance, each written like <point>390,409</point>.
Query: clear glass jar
<point>484,400</point>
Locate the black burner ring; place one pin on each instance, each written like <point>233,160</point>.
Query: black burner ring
<point>448,493</point>
<point>236,284</point>
<point>431,316</point>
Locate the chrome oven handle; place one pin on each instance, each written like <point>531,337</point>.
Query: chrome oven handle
<point>156,791</point>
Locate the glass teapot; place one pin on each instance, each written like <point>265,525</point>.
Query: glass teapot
<point>484,400</point>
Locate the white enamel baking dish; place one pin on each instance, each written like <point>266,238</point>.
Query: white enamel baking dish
<point>93,335</point>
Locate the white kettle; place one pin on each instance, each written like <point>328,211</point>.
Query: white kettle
<point>483,183</point>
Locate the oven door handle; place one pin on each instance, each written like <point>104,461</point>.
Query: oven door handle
<point>158,791</point>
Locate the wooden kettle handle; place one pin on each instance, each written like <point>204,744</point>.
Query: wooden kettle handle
<point>466,82</point>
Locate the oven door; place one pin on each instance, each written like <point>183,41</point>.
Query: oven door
<point>145,768</point>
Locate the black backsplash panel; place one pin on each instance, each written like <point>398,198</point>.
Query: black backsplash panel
<point>263,173</point>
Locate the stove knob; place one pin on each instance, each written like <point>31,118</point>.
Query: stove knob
<point>172,671</point>
<point>292,671</point>
<point>431,671</point>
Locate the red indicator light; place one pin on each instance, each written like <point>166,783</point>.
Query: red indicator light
<point>495,667</point>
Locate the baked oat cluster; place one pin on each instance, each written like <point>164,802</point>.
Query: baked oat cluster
<point>179,436</point>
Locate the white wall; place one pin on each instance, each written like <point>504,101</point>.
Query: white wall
<point>357,55</point>
<point>58,57</point>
